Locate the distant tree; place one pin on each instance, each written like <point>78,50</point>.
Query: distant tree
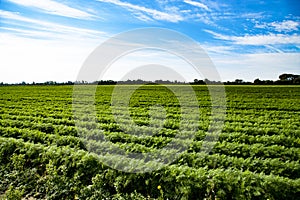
<point>207,81</point>
<point>158,81</point>
<point>257,81</point>
<point>268,82</point>
<point>198,82</point>
<point>287,77</point>
<point>105,82</point>
<point>50,83</point>
<point>263,82</point>
<point>238,81</point>
<point>297,80</point>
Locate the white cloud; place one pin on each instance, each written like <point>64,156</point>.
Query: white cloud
<point>47,29</point>
<point>212,49</point>
<point>186,11</point>
<point>142,17</point>
<point>267,39</point>
<point>258,15</point>
<point>44,50</point>
<point>205,18</point>
<point>155,14</point>
<point>197,4</point>
<point>284,26</point>
<point>259,39</point>
<point>55,8</point>
<point>27,59</point>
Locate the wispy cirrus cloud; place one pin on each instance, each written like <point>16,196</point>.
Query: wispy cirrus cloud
<point>252,15</point>
<point>55,8</point>
<point>269,39</point>
<point>155,14</point>
<point>213,49</point>
<point>197,4</point>
<point>44,29</point>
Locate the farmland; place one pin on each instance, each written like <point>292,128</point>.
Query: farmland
<point>43,156</point>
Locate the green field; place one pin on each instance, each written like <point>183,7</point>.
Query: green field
<point>256,157</point>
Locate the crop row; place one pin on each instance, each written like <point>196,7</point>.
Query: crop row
<point>239,151</point>
<point>241,145</point>
<point>245,134</point>
<point>62,173</point>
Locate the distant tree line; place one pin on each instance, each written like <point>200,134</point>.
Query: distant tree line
<point>44,83</point>
<point>284,79</point>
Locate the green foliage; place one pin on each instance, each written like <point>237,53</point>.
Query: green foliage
<point>256,156</point>
<point>12,194</point>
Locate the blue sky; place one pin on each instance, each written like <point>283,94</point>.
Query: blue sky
<point>45,40</point>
